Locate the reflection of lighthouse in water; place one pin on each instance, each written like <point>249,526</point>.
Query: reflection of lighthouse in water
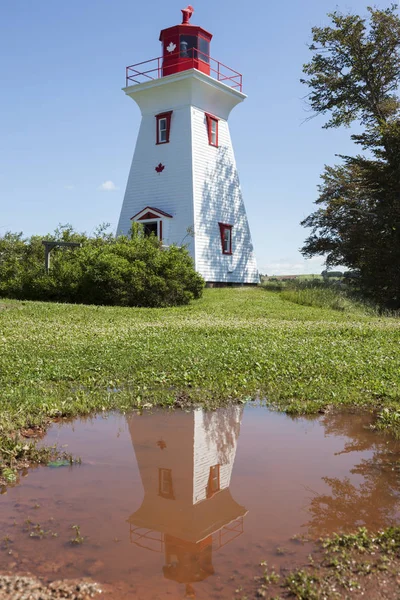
<point>185,462</point>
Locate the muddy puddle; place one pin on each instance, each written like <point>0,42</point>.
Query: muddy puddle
<point>185,505</point>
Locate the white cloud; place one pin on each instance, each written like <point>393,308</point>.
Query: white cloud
<point>108,186</point>
<point>69,187</point>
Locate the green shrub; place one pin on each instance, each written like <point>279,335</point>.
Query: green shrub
<point>123,271</point>
<point>330,274</point>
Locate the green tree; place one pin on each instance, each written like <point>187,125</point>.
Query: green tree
<point>354,76</point>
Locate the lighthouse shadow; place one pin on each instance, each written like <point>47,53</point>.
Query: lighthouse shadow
<point>222,202</point>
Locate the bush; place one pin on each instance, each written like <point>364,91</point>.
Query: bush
<point>123,271</point>
<point>335,274</point>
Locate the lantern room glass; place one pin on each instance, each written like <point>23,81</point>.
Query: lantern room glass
<point>188,46</point>
<point>204,50</point>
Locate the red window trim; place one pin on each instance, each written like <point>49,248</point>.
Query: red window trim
<point>210,119</point>
<point>222,227</point>
<point>158,213</point>
<point>170,495</point>
<point>167,116</point>
<point>148,216</point>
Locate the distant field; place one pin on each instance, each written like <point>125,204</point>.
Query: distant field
<point>309,277</point>
<point>232,344</point>
<point>301,277</point>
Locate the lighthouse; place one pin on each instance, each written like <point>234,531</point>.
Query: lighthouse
<point>183,185</point>
<point>187,513</point>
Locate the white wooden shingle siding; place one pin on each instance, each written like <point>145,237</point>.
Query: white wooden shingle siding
<point>199,185</point>
<point>218,199</point>
<point>215,440</point>
<point>168,191</point>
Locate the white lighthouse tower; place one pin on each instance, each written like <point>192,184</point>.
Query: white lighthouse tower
<point>183,184</point>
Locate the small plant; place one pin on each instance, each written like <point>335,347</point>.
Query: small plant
<point>299,538</point>
<point>9,475</point>
<point>389,418</point>
<point>38,532</point>
<point>302,585</point>
<point>78,539</point>
<point>360,541</point>
<point>7,541</point>
<point>271,577</point>
<point>16,454</point>
<point>268,578</point>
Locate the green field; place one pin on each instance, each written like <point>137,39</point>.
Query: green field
<point>233,344</point>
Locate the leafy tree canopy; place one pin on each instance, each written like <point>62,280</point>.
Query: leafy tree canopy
<point>354,75</point>
<point>355,69</point>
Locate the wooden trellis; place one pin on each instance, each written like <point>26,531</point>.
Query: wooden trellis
<point>48,247</point>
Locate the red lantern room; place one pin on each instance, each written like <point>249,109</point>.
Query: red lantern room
<point>185,46</point>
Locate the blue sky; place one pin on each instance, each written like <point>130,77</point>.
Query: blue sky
<point>66,128</point>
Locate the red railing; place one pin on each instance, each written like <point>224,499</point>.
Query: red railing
<point>147,538</point>
<point>154,540</point>
<point>154,69</point>
<point>227,534</point>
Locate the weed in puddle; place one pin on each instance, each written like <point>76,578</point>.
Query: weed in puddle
<point>78,539</point>
<point>302,585</point>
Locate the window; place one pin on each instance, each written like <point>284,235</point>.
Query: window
<point>152,221</point>
<point>226,238</point>
<point>162,130</point>
<point>150,228</point>
<point>165,487</point>
<point>213,485</point>
<point>188,46</point>
<point>212,128</point>
<point>163,127</point>
<point>204,50</point>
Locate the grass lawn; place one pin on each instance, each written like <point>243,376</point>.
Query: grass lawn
<point>232,344</point>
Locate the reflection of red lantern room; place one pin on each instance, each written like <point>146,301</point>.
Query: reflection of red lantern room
<point>185,462</point>
<point>183,164</point>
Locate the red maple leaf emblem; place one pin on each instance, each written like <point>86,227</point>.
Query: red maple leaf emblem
<point>160,168</point>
